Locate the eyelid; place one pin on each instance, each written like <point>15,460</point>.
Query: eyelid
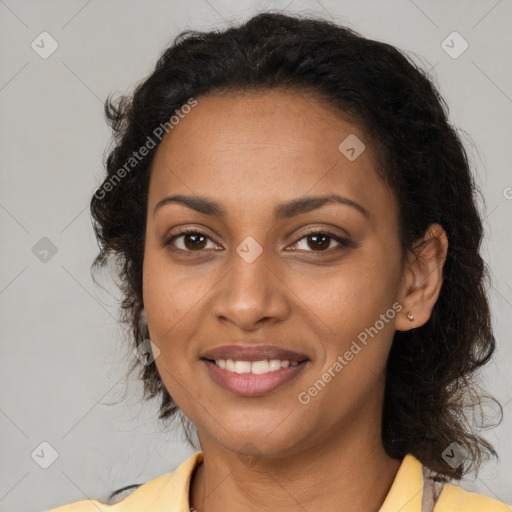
<point>182,231</point>
<point>343,241</point>
<point>325,231</point>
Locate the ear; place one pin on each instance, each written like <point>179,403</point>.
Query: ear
<point>422,278</point>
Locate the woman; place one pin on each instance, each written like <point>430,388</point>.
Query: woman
<point>298,238</point>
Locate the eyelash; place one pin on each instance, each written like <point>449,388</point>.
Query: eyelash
<point>344,242</point>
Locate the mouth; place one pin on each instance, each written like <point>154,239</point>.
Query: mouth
<point>261,367</point>
<point>253,371</point>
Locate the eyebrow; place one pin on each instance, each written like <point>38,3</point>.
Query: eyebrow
<point>283,211</point>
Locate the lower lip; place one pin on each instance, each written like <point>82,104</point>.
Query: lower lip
<point>248,384</point>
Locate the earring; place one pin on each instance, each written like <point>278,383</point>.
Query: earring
<point>410,316</point>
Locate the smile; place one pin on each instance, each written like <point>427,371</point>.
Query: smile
<point>254,367</point>
<point>253,378</point>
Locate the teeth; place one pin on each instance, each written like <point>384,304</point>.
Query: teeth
<point>243,367</point>
<point>254,367</point>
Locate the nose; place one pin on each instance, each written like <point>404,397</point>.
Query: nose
<point>251,293</point>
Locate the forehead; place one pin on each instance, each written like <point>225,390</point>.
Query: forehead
<point>257,145</point>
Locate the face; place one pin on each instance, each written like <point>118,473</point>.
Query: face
<point>319,277</point>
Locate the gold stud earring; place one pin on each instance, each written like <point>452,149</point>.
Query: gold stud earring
<point>410,316</point>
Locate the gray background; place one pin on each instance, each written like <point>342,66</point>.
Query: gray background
<point>63,358</point>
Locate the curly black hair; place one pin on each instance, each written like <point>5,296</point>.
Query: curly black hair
<point>431,381</point>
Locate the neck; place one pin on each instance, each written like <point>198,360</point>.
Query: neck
<point>335,475</point>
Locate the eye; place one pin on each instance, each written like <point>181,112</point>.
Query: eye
<point>194,240</point>
<point>320,241</point>
<point>191,240</point>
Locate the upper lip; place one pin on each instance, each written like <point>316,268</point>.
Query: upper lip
<point>252,353</point>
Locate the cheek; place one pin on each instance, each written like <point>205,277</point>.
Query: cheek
<point>354,305</point>
<point>169,295</point>
<point>347,298</point>
<point>173,303</point>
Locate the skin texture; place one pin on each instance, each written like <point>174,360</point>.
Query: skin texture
<point>250,153</point>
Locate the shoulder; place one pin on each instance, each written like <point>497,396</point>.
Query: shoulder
<point>165,493</point>
<point>82,506</point>
<point>145,493</point>
<point>454,499</point>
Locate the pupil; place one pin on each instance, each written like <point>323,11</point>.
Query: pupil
<point>195,244</point>
<point>321,244</point>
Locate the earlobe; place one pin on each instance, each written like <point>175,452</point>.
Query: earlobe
<point>423,279</point>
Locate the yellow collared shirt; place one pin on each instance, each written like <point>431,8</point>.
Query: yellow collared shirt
<point>169,493</point>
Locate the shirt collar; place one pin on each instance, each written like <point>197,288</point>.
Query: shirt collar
<point>406,491</point>
<point>170,492</point>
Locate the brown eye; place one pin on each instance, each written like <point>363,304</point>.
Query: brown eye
<point>194,241</point>
<point>320,241</point>
<point>189,241</point>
